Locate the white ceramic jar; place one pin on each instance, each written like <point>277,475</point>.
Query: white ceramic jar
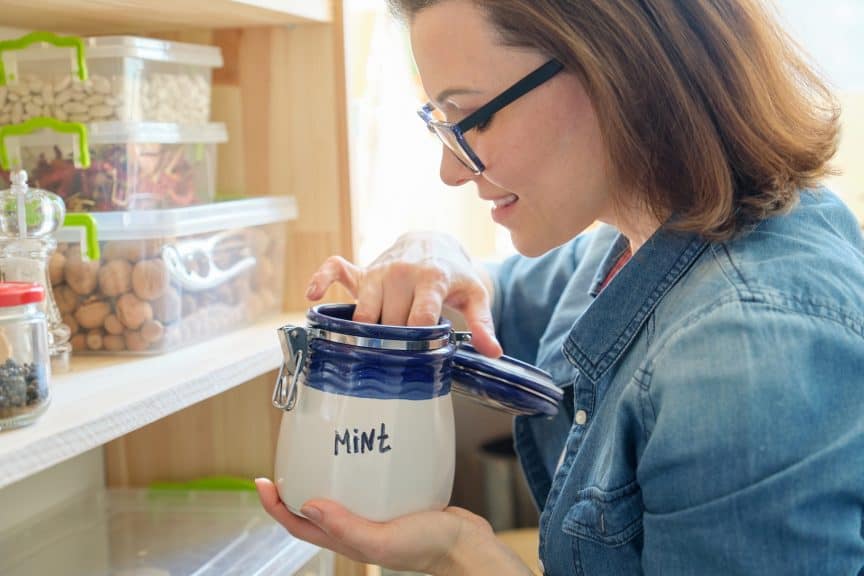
<point>368,417</point>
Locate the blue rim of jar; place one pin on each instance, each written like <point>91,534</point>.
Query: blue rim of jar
<point>333,322</point>
<point>493,383</point>
<point>379,362</point>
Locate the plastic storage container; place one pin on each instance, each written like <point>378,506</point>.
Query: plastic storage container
<point>139,532</point>
<point>24,361</point>
<point>168,278</point>
<point>126,78</point>
<point>132,166</point>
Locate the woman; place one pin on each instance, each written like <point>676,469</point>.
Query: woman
<point>709,337</point>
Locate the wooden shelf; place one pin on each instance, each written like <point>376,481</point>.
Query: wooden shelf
<point>102,398</point>
<point>142,16</point>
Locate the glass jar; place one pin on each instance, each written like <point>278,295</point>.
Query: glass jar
<point>28,221</point>
<point>24,357</point>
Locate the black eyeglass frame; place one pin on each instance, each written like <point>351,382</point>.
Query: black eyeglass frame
<point>485,113</point>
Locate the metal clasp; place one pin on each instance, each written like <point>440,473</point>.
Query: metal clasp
<point>458,337</point>
<point>294,341</point>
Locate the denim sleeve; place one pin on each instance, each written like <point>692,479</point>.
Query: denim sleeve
<point>753,461</point>
<point>526,293</point>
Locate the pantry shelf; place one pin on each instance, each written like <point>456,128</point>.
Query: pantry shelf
<point>141,16</point>
<point>102,398</point>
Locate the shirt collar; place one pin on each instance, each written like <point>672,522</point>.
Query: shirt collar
<point>609,325</point>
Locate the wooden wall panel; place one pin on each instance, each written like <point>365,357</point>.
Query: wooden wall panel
<point>282,95</point>
<point>289,113</point>
<point>231,434</point>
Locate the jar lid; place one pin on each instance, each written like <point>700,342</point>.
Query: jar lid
<point>504,383</point>
<point>20,293</point>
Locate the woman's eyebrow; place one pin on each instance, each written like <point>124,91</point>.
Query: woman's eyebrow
<point>448,92</point>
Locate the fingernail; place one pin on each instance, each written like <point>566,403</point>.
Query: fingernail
<point>312,289</point>
<point>311,513</point>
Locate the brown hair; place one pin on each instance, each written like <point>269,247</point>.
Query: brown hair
<point>705,105</point>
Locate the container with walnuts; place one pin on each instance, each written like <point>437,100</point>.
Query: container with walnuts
<point>169,278</point>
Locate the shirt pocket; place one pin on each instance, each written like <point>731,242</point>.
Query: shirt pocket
<point>608,517</point>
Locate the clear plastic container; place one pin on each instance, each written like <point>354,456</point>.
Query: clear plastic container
<point>157,533</point>
<point>169,278</point>
<point>128,79</point>
<point>24,361</point>
<point>137,166</point>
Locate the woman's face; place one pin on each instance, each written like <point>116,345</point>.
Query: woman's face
<point>545,166</point>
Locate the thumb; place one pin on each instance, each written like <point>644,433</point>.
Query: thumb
<point>478,316</point>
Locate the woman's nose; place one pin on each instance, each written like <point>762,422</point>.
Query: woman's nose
<point>453,172</point>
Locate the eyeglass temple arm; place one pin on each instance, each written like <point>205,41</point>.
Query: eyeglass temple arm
<point>520,88</point>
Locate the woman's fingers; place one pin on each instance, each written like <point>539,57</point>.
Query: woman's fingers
<point>428,297</point>
<point>410,283</point>
<point>350,530</point>
<point>478,316</point>
<point>422,541</point>
<point>298,526</point>
<point>369,299</point>
<point>469,516</point>
<point>332,526</point>
<point>426,307</point>
<point>334,269</point>
<point>412,542</point>
<point>397,294</point>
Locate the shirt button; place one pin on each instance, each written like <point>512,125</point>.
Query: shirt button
<point>581,417</point>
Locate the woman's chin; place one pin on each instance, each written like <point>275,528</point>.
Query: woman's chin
<point>531,245</point>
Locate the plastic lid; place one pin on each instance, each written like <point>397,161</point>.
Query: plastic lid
<point>134,47</point>
<point>142,132</point>
<point>141,224</point>
<point>20,293</point>
<point>504,383</point>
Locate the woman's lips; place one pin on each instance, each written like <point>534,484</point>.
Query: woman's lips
<point>505,200</point>
<point>503,207</point>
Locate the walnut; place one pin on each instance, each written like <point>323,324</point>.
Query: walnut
<point>55,268</point>
<point>115,277</point>
<point>133,312</point>
<point>150,279</point>
<point>92,314</point>
<point>81,276</point>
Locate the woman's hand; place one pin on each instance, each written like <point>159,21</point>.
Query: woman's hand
<point>451,542</point>
<point>411,282</point>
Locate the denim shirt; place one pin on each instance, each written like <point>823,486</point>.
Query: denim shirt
<point>713,415</point>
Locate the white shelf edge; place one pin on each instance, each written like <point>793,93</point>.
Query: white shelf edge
<point>103,398</point>
<point>314,11</point>
<point>142,16</point>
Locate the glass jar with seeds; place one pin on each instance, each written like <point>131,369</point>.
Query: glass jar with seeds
<point>24,359</point>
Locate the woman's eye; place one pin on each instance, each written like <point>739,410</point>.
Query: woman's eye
<point>481,126</point>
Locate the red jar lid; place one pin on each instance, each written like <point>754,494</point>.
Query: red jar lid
<point>20,293</point>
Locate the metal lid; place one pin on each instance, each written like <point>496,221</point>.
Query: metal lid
<point>504,383</point>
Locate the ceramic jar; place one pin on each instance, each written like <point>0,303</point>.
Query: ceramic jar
<point>368,417</point>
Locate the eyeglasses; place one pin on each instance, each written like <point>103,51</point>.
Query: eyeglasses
<point>452,134</point>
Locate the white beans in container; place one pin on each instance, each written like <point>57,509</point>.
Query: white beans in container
<point>130,79</point>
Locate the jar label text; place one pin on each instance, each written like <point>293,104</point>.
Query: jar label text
<point>360,442</point>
